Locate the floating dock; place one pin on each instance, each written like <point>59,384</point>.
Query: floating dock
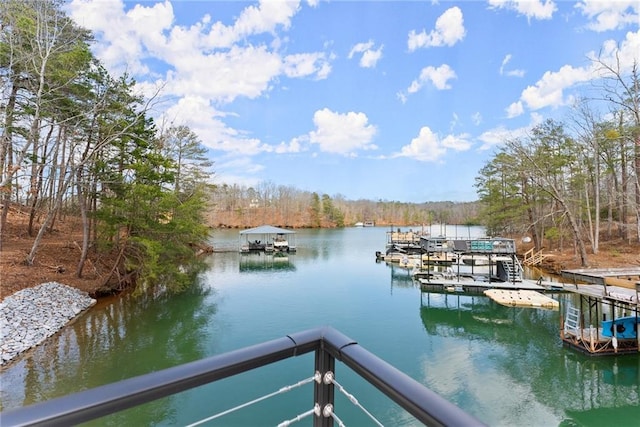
<point>477,285</point>
<point>522,298</point>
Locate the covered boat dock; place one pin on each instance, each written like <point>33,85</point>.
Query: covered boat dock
<point>267,238</point>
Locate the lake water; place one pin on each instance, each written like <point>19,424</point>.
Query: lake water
<point>506,366</point>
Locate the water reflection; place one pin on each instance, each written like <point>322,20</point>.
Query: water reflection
<point>527,359</point>
<point>260,261</point>
<point>505,365</point>
<point>605,390</point>
<point>113,342</point>
<point>599,417</point>
<point>400,276</point>
<point>319,244</point>
<point>451,314</point>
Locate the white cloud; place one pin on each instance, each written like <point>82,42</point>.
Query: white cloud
<point>342,133</point>
<point>549,90</point>
<point>438,77</point>
<point>448,31</point>
<point>515,109</point>
<point>537,9</point>
<point>500,134</point>
<point>197,55</point>
<point>515,73</point>
<point>536,119</point>
<point>457,142</point>
<point>505,61</point>
<point>203,64</point>
<point>264,18</point>
<point>239,170</point>
<point>360,47</point>
<point>306,64</point>
<point>625,53</point>
<point>455,121</point>
<point>296,145</point>
<point>425,147</point>
<point>370,56</point>
<point>494,137</point>
<point>239,163</point>
<point>510,73</point>
<point>428,147</point>
<point>197,113</point>
<point>124,33</point>
<point>324,71</point>
<point>610,15</point>
<point>216,75</point>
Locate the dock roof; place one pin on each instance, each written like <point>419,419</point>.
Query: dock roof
<point>267,229</point>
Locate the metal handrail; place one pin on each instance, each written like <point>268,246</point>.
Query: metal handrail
<point>328,343</point>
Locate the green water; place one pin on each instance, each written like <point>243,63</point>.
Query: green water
<point>504,365</point>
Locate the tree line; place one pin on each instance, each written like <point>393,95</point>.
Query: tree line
<point>285,206</point>
<point>575,181</point>
<point>76,140</point>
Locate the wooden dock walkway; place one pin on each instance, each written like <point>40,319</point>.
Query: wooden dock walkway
<point>471,285</point>
<point>627,277</point>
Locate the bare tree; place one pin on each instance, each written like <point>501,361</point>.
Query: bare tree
<point>590,131</point>
<point>621,88</point>
<point>549,153</point>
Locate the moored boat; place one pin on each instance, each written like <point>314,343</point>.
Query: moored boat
<point>475,259</point>
<point>622,327</point>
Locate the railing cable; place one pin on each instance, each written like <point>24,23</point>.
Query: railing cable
<point>328,412</point>
<point>296,419</point>
<point>328,378</point>
<point>259,399</point>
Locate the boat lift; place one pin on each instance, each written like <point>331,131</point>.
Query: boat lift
<point>603,292</point>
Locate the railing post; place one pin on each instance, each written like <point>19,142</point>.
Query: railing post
<point>323,392</point>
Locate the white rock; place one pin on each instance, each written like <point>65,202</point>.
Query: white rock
<point>31,315</point>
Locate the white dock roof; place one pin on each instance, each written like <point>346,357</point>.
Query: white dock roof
<point>267,229</point>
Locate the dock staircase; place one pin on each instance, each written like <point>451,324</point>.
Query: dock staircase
<point>512,270</point>
<point>531,259</point>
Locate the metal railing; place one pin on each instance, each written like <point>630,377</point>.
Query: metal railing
<point>329,345</point>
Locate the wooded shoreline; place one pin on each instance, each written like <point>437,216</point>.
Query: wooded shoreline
<point>59,254</point>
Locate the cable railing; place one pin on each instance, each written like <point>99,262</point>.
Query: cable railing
<point>328,344</point>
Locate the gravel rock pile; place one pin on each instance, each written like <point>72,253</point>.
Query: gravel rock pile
<point>32,315</point>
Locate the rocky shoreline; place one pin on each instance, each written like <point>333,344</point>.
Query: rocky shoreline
<point>30,316</point>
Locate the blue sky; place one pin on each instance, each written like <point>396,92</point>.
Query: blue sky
<point>381,100</point>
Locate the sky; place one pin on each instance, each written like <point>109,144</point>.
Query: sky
<point>379,100</point>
